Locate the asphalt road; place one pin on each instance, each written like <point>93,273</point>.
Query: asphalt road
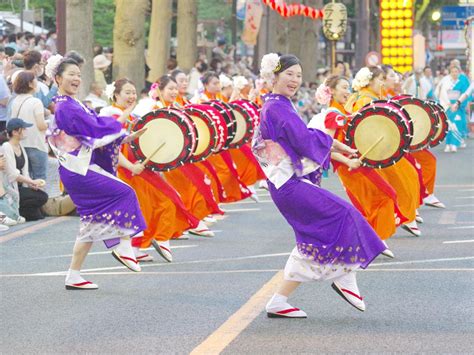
<point>421,301</point>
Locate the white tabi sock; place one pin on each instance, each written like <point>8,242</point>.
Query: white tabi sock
<point>125,248</point>
<point>277,300</point>
<point>74,277</point>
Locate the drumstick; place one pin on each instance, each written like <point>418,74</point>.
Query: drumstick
<point>371,148</point>
<point>154,153</point>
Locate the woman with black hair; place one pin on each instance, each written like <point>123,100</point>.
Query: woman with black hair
<point>87,147</point>
<point>332,238</point>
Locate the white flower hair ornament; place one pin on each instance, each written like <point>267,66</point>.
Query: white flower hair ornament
<point>362,79</point>
<point>52,65</point>
<point>109,91</point>
<point>323,94</point>
<point>269,65</point>
<point>225,81</point>
<point>240,82</point>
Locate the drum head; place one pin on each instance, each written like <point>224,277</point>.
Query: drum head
<point>442,127</point>
<point>375,122</point>
<point>170,129</point>
<point>206,132</point>
<point>424,120</point>
<point>244,132</point>
<point>226,111</point>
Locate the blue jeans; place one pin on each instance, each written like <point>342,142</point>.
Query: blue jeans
<point>38,163</point>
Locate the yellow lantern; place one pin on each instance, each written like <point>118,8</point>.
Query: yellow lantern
<point>408,32</point>
<point>385,51</point>
<point>393,5</point>
<point>409,60</point>
<point>385,4</point>
<point>385,23</point>
<point>395,61</point>
<point>409,51</point>
<point>408,23</point>
<point>401,51</point>
<point>407,13</point>
<point>399,13</point>
<point>393,23</point>
<point>400,32</point>
<point>385,32</point>
<point>393,52</point>
<point>386,42</point>
<point>385,14</point>
<point>408,42</point>
<point>400,23</point>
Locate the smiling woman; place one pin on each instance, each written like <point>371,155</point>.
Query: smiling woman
<point>107,206</point>
<point>332,237</point>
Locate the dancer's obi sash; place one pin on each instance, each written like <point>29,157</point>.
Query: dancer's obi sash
<point>275,162</point>
<point>63,147</point>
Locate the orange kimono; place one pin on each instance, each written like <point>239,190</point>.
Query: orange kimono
<point>428,168</point>
<point>164,212</point>
<point>368,192</point>
<point>247,166</point>
<point>402,176</point>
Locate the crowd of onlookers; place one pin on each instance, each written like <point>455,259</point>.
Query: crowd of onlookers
<point>29,186</point>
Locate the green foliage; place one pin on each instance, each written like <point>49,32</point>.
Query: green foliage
<point>104,14</point>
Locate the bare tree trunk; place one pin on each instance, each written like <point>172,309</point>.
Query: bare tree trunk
<point>80,37</point>
<point>129,41</point>
<point>187,34</point>
<point>159,37</point>
<point>362,41</point>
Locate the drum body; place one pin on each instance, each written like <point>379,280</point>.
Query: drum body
<point>442,128</point>
<point>425,120</point>
<point>245,126</point>
<point>380,120</point>
<point>225,110</point>
<point>252,108</point>
<point>207,133</point>
<point>171,129</point>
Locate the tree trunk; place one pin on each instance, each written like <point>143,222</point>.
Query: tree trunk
<point>129,41</point>
<point>80,37</point>
<point>159,37</point>
<point>187,34</point>
<point>363,30</point>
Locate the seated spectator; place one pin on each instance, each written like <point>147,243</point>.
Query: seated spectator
<point>101,63</point>
<point>31,110</point>
<point>31,198</point>
<point>5,201</point>
<point>95,96</point>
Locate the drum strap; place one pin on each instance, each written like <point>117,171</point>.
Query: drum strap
<point>213,172</point>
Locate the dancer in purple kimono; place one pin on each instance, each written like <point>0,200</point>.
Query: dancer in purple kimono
<point>87,147</point>
<point>332,237</point>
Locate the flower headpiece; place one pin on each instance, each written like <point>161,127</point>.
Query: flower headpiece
<point>362,79</point>
<point>52,65</point>
<point>109,91</point>
<point>240,82</point>
<point>225,81</point>
<point>323,94</point>
<point>153,92</point>
<point>269,65</point>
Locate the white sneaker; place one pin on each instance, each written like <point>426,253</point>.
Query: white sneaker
<point>202,230</point>
<point>346,287</point>
<point>4,228</point>
<point>7,221</point>
<point>284,310</point>
<point>433,201</point>
<point>463,144</point>
<point>20,220</point>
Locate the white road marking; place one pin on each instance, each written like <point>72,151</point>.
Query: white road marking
<point>465,197</point>
<point>94,253</point>
<point>467,205</point>
<point>467,190</point>
<point>63,273</point>
<point>448,217</point>
<point>247,202</point>
<point>458,241</point>
<point>241,210</point>
<point>462,227</point>
<point>213,272</point>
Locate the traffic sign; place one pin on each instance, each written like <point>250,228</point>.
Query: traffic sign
<point>455,16</point>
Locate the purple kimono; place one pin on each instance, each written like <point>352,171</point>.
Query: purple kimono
<point>87,147</point>
<point>330,233</point>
